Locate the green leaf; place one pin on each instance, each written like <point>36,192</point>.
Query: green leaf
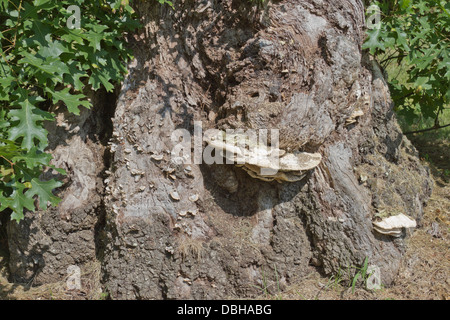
<point>372,43</point>
<point>97,79</point>
<point>4,5</point>
<point>53,48</point>
<point>9,149</point>
<point>402,40</point>
<point>73,36</point>
<point>94,39</point>
<point>75,75</point>
<point>72,101</point>
<point>409,114</point>
<point>40,31</point>
<point>447,96</point>
<point>43,189</point>
<point>405,4</point>
<point>423,82</point>
<point>18,201</point>
<point>7,84</point>
<point>33,158</point>
<point>3,121</point>
<point>59,170</point>
<point>40,55</point>
<point>40,2</point>
<point>31,11</point>
<point>41,64</point>
<point>29,123</point>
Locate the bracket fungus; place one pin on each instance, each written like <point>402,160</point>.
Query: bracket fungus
<point>394,225</point>
<point>259,160</point>
<point>355,115</point>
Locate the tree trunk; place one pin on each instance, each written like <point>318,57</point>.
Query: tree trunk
<point>46,243</point>
<point>296,66</point>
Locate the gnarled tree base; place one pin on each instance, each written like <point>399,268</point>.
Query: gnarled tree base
<point>295,66</point>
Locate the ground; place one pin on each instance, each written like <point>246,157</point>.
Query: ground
<point>423,273</point>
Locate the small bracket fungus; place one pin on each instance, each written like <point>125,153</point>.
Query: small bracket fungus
<point>259,160</point>
<point>394,225</point>
<point>353,117</point>
<point>157,157</point>
<point>175,196</point>
<point>193,197</point>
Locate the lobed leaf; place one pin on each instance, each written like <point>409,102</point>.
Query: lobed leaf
<point>28,124</point>
<point>44,190</point>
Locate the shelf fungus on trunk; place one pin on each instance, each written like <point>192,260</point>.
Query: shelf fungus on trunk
<point>259,160</point>
<point>353,117</point>
<point>394,225</point>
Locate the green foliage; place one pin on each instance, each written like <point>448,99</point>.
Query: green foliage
<point>361,274</point>
<point>43,61</point>
<point>166,2</point>
<point>415,35</point>
<point>336,279</point>
<point>350,276</point>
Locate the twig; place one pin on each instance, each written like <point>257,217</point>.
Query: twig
<point>391,57</point>
<point>10,162</point>
<point>403,97</point>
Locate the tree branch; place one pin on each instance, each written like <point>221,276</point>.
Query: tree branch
<point>428,129</point>
<point>393,57</point>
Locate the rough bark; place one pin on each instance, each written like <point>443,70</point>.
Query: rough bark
<point>296,66</point>
<point>46,243</point>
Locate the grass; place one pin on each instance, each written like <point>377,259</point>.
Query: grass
<point>336,280</point>
<point>265,287</point>
<point>190,247</point>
